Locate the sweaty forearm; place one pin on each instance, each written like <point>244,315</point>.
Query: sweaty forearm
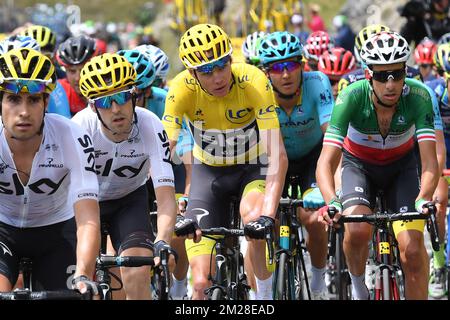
<point>325,179</point>
<point>274,186</point>
<point>429,181</point>
<point>167,210</point>
<point>88,248</point>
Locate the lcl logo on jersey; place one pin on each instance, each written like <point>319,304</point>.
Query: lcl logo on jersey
<point>238,116</point>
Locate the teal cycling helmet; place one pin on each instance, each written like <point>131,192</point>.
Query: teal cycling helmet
<point>279,45</point>
<point>143,65</point>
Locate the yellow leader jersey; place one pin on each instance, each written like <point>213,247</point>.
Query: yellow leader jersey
<point>225,129</point>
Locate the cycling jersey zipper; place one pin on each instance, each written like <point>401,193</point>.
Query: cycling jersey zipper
<point>25,207</point>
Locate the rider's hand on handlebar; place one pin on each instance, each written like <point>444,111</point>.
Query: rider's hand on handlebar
<point>159,246</point>
<point>83,284</point>
<point>187,227</point>
<point>325,218</point>
<point>259,228</point>
<point>422,204</point>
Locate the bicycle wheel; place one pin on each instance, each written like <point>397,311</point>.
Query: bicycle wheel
<point>301,284</point>
<point>282,285</point>
<point>342,277</point>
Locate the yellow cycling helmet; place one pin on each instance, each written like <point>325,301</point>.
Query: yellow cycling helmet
<point>364,34</point>
<point>27,64</point>
<point>104,74</point>
<point>198,40</point>
<point>441,57</point>
<point>43,35</point>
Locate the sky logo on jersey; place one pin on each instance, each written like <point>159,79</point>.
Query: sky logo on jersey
<point>239,116</point>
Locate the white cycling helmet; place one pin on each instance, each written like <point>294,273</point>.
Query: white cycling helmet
<point>250,45</point>
<point>18,41</point>
<point>386,47</point>
<point>158,57</point>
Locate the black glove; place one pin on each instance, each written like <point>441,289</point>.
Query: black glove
<point>259,228</point>
<point>185,226</point>
<point>161,245</point>
<point>91,285</point>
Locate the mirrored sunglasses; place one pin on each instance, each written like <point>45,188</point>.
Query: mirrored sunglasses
<point>289,66</point>
<point>105,102</point>
<point>209,68</point>
<point>24,85</point>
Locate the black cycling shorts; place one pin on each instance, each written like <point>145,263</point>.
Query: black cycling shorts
<point>400,181</point>
<point>127,220</point>
<point>302,172</point>
<point>212,190</point>
<point>52,250</point>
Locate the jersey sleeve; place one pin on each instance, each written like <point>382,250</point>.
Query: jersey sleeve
<point>340,118</point>
<point>81,161</point>
<point>437,114</point>
<point>260,96</point>
<point>157,103</point>
<point>325,98</point>
<point>185,141</point>
<point>160,164</point>
<point>424,120</point>
<point>177,101</point>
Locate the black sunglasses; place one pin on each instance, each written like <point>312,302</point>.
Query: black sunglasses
<point>386,75</point>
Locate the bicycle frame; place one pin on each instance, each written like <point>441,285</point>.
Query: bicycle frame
<point>229,281</point>
<point>290,280</point>
<point>388,266</point>
<point>336,260</point>
<point>105,262</point>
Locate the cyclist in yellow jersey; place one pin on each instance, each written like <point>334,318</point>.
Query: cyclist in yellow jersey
<point>238,151</point>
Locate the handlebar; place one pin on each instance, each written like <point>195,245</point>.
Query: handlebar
<point>389,217</point>
<point>222,231</point>
<point>288,202</point>
<point>26,294</point>
<point>127,261</point>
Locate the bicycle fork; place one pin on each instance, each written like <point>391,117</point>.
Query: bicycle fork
<point>386,287</point>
